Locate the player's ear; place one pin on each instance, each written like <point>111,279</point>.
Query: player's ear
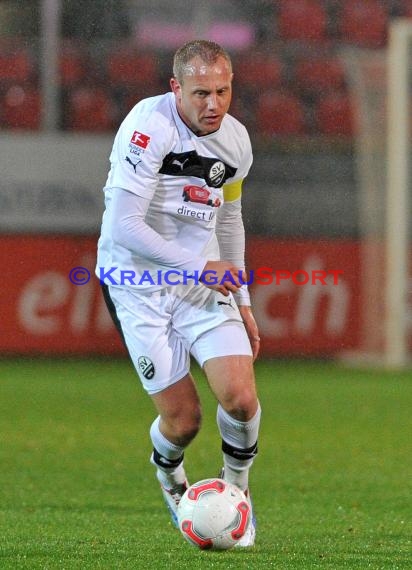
<point>175,86</point>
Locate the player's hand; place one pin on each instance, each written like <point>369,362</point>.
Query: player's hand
<point>222,276</point>
<point>251,328</point>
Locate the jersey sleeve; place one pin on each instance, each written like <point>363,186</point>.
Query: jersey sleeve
<point>247,158</point>
<point>231,237</point>
<point>229,228</point>
<point>240,138</point>
<point>131,232</point>
<point>143,140</point>
<point>232,191</point>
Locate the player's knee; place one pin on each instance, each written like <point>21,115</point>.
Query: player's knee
<point>186,427</point>
<point>242,405</point>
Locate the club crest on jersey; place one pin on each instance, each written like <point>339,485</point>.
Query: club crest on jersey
<point>217,174</point>
<point>140,139</point>
<point>146,367</point>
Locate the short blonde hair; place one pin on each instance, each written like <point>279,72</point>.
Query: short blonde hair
<point>207,51</point>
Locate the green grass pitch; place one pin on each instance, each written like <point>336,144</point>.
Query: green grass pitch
<point>332,484</point>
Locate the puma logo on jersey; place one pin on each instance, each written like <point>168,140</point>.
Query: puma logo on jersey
<point>179,163</point>
<point>213,171</point>
<point>134,164</point>
<point>224,303</point>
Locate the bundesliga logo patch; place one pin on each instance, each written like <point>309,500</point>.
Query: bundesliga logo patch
<point>140,139</point>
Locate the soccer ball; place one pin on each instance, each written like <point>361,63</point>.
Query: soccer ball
<point>213,514</point>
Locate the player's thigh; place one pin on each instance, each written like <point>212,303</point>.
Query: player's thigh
<point>200,310</point>
<point>225,354</point>
<point>157,352</point>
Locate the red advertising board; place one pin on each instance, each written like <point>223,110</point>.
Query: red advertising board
<point>310,302</point>
<point>42,311</point>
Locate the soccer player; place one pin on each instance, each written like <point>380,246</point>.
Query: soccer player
<point>171,256</point>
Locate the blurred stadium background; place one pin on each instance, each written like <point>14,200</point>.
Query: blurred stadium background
<point>71,69</point>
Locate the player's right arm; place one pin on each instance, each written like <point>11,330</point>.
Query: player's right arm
<point>130,230</point>
<point>142,142</point>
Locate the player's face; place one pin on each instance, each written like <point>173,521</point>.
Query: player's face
<point>203,97</point>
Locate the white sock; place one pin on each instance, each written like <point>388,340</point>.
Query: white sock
<point>167,457</point>
<point>239,444</point>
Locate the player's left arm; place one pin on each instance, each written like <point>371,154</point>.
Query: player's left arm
<point>231,237</point>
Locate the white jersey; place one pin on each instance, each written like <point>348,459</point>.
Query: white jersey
<point>156,156</point>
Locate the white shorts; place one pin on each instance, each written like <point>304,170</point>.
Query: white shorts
<point>161,330</point>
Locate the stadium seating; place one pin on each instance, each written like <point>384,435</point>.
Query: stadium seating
<point>406,8</point>
<point>126,67</point>
<point>302,20</point>
<point>334,115</point>
<point>363,23</point>
<point>288,76</point>
<point>319,74</point>
<point>280,113</point>
<point>72,65</point>
<point>90,109</point>
<point>20,108</point>
<point>257,70</point>
<point>16,65</point>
